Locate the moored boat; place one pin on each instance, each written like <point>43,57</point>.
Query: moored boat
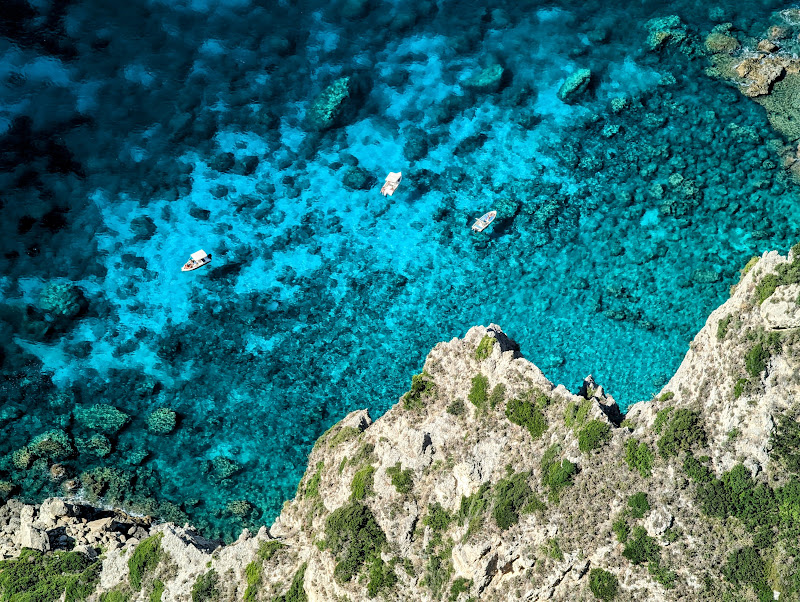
<point>483,221</point>
<point>391,183</point>
<point>198,259</point>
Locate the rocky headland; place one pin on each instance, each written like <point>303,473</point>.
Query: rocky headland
<point>486,481</point>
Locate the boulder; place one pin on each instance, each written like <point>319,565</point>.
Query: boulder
<point>87,551</point>
<point>99,525</point>
<point>760,73</point>
<point>51,510</point>
<point>28,535</point>
<point>488,80</point>
<point>658,521</point>
<point>34,538</point>
<point>574,86</point>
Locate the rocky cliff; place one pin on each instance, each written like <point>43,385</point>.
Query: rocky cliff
<point>486,481</point>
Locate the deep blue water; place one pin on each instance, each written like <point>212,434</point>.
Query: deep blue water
<point>134,135</point>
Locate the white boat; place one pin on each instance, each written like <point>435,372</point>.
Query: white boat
<point>483,221</point>
<point>391,183</point>
<point>198,260</point>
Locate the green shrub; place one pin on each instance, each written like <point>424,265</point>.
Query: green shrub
<point>268,549</point>
<point>666,396</point>
<point>621,529</point>
<point>252,573</point>
<point>582,412</point>
<point>662,575</point>
<point>740,387</point>
<point>472,509</point>
<point>575,414</point>
<point>722,327</point>
<point>144,560</point>
<point>205,588</point>
<point>381,577</point>
<point>353,536</point>
<point>604,585</point>
<point>485,347</point>
<point>456,408</point>
<point>785,442</point>
<point>297,592</point>
<point>526,414</point>
<point>364,455</point>
<point>553,550</point>
<point>439,569</point>
<point>755,360</point>
<point>695,470</point>
<point>556,475</point>
<point>422,388</point>
<point>638,504</point>
<point>403,480</point>
<point>511,495</point>
<point>592,435</point>
<point>312,486</point>
<point>158,591</point>
<point>746,567</point>
<point>736,494</point>
<point>641,547</point>
<point>479,393</point>
<point>460,585</point>
<point>37,577</point>
<point>788,499</point>
<point>114,595</point>
<point>661,419</point>
<point>438,518</point>
<point>361,486</point>
<point>747,267</point>
<point>789,273</point>
<point>684,431</point>
<point>766,287</point>
<point>639,457</point>
<point>346,433</point>
<point>498,395</point>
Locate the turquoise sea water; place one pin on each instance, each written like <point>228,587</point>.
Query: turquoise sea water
<point>133,136</point>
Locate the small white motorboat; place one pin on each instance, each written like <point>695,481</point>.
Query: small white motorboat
<point>391,183</point>
<point>483,221</point>
<point>198,260</point>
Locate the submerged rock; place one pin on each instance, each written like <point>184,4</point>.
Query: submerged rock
<point>488,80</point>
<point>328,105</point>
<point>665,31</point>
<point>574,86</point>
<point>717,42</point>
<point>63,300</point>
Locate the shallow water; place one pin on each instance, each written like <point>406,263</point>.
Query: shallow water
<point>618,231</point>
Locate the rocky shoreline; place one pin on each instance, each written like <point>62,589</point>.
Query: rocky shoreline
<point>486,481</point>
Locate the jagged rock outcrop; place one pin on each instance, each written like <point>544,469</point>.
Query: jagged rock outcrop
<point>487,481</point>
